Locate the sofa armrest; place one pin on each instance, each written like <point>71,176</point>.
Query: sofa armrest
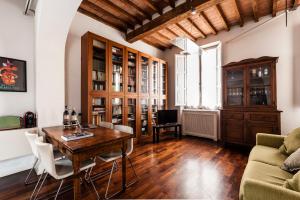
<point>270,140</point>
<point>258,190</point>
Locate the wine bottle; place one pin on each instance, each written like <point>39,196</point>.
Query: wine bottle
<point>74,120</point>
<point>66,117</point>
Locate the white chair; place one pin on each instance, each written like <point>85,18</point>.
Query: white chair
<point>113,156</point>
<point>31,137</point>
<point>58,169</point>
<point>106,125</point>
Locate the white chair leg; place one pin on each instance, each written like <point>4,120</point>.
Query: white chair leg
<point>40,186</point>
<point>136,176</point>
<point>37,184</point>
<point>61,183</point>
<point>109,180</point>
<point>92,182</point>
<point>30,172</point>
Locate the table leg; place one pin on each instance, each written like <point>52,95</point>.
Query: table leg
<point>76,178</point>
<point>180,131</point>
<point>124,147</point>
<point>176,132</point>
<point>153,134</point>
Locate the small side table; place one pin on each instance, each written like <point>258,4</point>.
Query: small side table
<point>156,130</point>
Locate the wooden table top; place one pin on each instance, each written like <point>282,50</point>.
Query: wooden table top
<point>102,137</point>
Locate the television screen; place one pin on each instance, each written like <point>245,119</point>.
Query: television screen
<point>166,116</point>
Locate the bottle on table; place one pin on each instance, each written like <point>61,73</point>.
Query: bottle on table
<point>66,118</point>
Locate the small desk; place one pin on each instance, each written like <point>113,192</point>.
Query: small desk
<point>156,129</point>
<point>104,140</point>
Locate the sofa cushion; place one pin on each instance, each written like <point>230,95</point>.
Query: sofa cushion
<point>291,142</point>
<point>267,155</point>
<point>293,183</point>
<point>292,163</point>
<point>265,173</point>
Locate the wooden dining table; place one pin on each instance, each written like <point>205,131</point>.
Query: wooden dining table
<point>104,140</point>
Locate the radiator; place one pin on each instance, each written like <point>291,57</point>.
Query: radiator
<point>200,123</point>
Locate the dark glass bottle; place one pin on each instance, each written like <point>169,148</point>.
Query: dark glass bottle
<point>74,120</point>
<point>66,117</point>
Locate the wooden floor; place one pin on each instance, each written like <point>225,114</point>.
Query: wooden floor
<point>190,168</point>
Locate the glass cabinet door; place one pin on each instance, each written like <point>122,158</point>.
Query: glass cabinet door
<point>144,116</point>
<point>99,66</point>
<point>154,78</point>
<point>144,74</point>
<point>132,69</point>
<point>154,104</point>
<point>117,69</point>
<point>117,111</point>
<point>98,110</point>
<point>235,87</point>
<point>163,79</point>
<point>131,114</point>
<point>163,104</point>
<point>260,85</point>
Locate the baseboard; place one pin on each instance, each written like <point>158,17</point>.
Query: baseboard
<point>12,166</point>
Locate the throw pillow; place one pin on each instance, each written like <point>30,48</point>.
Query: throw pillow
<point>291,142</point>
<point>293,183</point>
<point>292,163</point>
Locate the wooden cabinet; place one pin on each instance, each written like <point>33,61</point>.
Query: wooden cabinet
<point>249,100</point>
<point>121,85</point>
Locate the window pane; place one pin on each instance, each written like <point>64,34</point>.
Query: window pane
<point>193,80</point>
<point>180,65</point>
<point>209,74</point>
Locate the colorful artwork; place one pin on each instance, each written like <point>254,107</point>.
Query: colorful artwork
<point>12,75</point>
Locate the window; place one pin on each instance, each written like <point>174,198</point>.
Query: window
<point>198,82</point>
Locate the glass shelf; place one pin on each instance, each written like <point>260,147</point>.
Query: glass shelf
<point>132,68</point>
<point>163,79</point>
<point>144,116</point>
<point>117,111</point>
<point>98,110</point>
<point>144,74</point>
<point>99,66</point>
<point>117,69</point>
<point>154,77</point>
<point>154,104</point>
<point>131,113</point>
<point>235,87</point>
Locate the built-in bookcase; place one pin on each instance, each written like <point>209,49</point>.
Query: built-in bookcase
<point>121,85</point>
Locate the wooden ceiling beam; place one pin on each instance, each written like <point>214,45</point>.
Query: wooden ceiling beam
<point>141,11</point>
<point>98,18</point>
<point>208,23</point>
<point>161,40</point>
<point>223,17</point>
<point>172,32</point>
<point>123,12</point>
<point>104,12</point>
<point>295,4</point>
<point>153,6</point>
<point>197,27</point>
<point>238,12</point>
<point>255,10</point>
<point>186,32</point>
<point>173,16</point>
<point>154,44</point>
<point>164,36</point>
<point>172,3</point>
<point>274,8</point>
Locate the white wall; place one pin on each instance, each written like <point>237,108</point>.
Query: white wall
<point>17,41</point>
<point>270,38</point>
<point>80,25</point>
<point>52,22</point>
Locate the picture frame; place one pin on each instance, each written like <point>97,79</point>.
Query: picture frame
<point>13,75</point>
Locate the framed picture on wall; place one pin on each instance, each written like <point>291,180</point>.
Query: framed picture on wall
<point>12,75</point>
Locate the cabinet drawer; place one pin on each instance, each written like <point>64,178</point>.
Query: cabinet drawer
<point>233,115</point>
<point>263,117</point>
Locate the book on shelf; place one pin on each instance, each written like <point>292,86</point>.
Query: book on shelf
<point>76,136</point>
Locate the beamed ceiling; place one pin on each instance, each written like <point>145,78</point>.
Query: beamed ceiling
<point>157,22</point>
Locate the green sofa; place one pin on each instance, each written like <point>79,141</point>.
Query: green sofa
<point>263,179</point>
